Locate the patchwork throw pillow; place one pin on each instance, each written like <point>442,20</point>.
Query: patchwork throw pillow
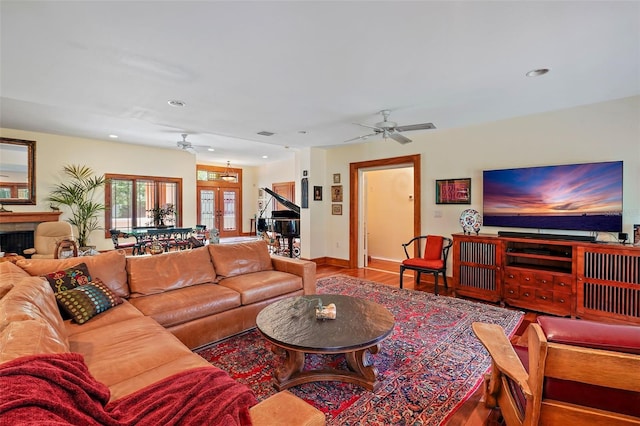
<point>69,278</point>
<point>86,301</point>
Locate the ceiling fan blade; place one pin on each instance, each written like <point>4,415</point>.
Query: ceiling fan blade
<point>367,126</point>
<point>399,138</point>
<point>423,126</point>
<point>361,137</point>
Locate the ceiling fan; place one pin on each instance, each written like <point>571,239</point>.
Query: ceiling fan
<point>390,129</point>
<point>186,145</point>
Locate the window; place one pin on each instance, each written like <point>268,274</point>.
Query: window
<point>129,200</point>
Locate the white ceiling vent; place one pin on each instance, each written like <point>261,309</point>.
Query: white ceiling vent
<point>265,133</point>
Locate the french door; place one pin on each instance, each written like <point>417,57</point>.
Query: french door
<point>218,208</point>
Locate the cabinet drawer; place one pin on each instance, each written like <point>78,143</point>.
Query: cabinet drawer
<point>527,293</point>
<point>544,296</point>
<point>562,299</point>
<point>543,280</point>
<point>562,284</point>
<point>512,277</point>
<point>511,291</point>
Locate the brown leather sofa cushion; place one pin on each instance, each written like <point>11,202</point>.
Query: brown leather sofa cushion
<point>120,351</point>
<point>241,258</point>
<point>259,286</point>
<point>10,274</point>
<point>110,267</point>
<point>122,312</point>
<point>30,321</point>
<point>169,271</point>
<point>181,305</point>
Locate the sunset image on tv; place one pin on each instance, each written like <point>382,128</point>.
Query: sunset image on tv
<point>576,196</point>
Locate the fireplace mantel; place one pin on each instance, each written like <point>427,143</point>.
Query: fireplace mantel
<point>29,217</point>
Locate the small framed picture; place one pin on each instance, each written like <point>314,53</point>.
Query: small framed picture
<point>453,191</point>
<point>336,209</point>
<point>305,173</point>
<point>336,193</point>
<point>336,178</point>
<point>317,193</point>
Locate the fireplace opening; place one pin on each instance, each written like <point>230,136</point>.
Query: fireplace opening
<point>16,241</point>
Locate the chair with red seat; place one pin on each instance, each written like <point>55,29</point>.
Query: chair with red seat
<point>434,260</point>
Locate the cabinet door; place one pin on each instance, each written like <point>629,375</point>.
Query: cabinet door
<point>608,283</point>
<point>476,267</point>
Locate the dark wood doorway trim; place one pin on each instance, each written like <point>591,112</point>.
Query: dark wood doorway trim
<point>354,169</point>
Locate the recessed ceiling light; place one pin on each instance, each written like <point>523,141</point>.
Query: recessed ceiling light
<point>176,103</point>
<point>210,149</point>
<point>113,136</point>
<point>265,156</point>
<point>537,72</point>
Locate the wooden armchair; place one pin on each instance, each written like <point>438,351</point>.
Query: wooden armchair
<point>434,260</point>
<point>573,372</point>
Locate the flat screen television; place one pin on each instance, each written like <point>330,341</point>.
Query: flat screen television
<point>584,197</point>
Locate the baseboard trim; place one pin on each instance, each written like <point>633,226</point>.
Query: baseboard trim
<point>331,261</point>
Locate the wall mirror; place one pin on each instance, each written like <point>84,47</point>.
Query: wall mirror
<point>17,171</point>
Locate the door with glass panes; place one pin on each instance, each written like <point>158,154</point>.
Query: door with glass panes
<point>218,208</point>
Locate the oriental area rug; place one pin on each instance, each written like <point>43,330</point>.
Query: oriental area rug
<point>429,365</point>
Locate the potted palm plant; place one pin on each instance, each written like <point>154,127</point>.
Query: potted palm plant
<point>77,192</point>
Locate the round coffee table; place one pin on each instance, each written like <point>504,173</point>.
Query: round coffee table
<point>360,325</point>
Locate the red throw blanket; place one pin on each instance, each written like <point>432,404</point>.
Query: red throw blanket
<point>57,389</point>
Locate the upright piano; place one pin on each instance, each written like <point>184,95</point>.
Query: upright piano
<point>285,223</point>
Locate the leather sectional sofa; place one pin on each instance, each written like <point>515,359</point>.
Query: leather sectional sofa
<point>166,306</point>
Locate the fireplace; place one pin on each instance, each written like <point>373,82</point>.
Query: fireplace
<point>16,242</point>
<point>17,229</point>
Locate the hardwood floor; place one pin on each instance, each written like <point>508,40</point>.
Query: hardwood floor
<point>473,412</point>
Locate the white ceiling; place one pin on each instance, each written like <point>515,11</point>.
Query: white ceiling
<point>94,68</point>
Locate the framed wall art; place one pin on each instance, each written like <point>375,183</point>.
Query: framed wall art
<point>336,209</point>
<point>336,178</point>
<point>317,193</point>
<point>453,191</point>
<point>336,193</point>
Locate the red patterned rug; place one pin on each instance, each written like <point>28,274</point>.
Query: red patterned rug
<point>428,366</point>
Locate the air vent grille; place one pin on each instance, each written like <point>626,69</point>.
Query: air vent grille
<point>265,133</point>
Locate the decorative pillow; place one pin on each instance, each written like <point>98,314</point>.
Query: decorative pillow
<point>86,301</point>
<point>69,278</point>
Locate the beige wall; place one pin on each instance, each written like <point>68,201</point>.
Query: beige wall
<point>600,132</point>
<point>53,152</point>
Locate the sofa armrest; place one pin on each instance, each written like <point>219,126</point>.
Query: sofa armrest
<point>29,251</point>
<point>504,358</point>
<point>303,268</point>
<point>591,334</point>
<point>285,409</point>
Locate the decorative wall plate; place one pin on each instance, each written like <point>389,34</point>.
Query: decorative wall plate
<point>471,221</point>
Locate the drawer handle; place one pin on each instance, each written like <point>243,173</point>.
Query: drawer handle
<point>511,276</point>
<point>561,300</point>
<point>543,297</point>
<point>544,281</point>
<point>511,291</point>
<point>527,279</point>
<point>562,284</point>
<point>526,294</point>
